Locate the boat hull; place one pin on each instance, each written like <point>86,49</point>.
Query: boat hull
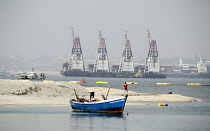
<point>102,74</point>
<point>188,75</point>
<point>22,77</point>
<point>109,74</point>
<point>75,73</point>
<point>125,75</point>
<point>32,77</point>
<point>148,75</point>
<point>106,106</point>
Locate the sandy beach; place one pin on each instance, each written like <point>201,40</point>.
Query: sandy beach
<point>25,92</point>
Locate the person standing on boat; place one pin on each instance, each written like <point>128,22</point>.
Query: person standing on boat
<point>126,87</point>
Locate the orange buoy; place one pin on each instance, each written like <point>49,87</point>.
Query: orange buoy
<point>83,80</point>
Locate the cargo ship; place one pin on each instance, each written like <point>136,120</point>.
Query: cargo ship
<point>199,70</point>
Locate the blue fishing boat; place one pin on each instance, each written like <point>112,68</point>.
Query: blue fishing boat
<point>105,106</point>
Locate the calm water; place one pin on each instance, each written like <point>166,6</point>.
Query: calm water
<point>177,116</point>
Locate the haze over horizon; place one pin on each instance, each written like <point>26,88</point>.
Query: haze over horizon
<point>42,27</point>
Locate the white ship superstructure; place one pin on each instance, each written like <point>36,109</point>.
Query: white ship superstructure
<point>202,65</point>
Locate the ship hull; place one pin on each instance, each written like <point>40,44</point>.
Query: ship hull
<point>151,75</point>
<point>75,73</point>
<point>102,74</point>
<point>126,75</point>
<point>188,75</point>
<point>109,74</point>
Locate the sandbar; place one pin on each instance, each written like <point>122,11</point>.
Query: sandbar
<point>25,92</point>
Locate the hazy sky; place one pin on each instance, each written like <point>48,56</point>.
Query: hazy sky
<point>42,27</point>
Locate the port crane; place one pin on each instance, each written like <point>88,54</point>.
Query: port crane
<point>126,64</point>
<point>76,61</point>
<point>102,63</point>
<point>152,60</point>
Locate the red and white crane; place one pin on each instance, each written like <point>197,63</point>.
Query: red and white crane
<point>76,60</point>
<point>102,63</point>
<point>152,60</point>
<point>126,64</point>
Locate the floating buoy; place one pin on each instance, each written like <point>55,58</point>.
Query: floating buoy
<point>162,104</point>
<point>194,84</point>
<point>102,82</point>
<point>163,83</point>
<point>131,83</point>
<point>75,81</point>
<point>83,80</point>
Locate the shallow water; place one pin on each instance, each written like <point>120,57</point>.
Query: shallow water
<point>176,116</point>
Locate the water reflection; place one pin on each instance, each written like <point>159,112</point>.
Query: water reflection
<point>97,121</point>
<point>105,115</point>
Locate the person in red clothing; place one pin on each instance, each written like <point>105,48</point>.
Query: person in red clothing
<point>126,87</point>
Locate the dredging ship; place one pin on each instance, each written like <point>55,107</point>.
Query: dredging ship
<point>76,66</point>
<point>126,68</point>
<point>101,68</point>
